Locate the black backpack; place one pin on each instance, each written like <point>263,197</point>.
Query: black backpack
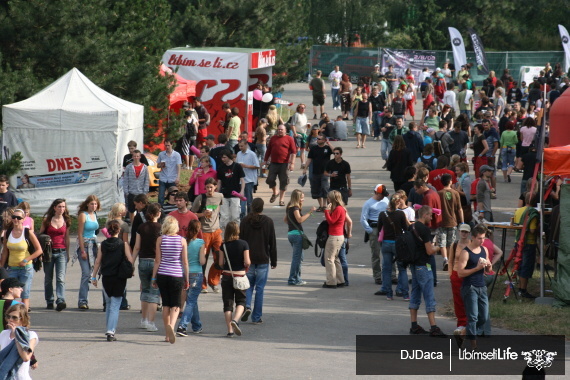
<point>406,249</point>
<point>322,237</point>
<point>428,162</point>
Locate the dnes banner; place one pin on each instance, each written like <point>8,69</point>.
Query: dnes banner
<point>482,67</point>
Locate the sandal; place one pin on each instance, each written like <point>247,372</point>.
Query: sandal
<point>273,198</point>
<point>281,203</point>
<point>358,146</point>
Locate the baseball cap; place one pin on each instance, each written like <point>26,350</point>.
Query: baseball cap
<point>381,189</point>
<point>210,137</point>
<point>376,65</point>
<point>10,282</point>
<point>465,227</point>
<point>172,189</point>
<point>484,168</point>
<point>315,126</point>
<point>438,69</point>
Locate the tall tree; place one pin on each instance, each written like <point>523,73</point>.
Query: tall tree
<point>245,23</point>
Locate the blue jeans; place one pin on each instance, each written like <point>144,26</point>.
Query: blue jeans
<point>59,263</point>
<point>148,293</point>
<point>343,261</point>
<point>191,313</point>
<point>335,97</point>
<point>257,276</point>
<point>376,121</point>
<point>422,284</point>
<point>388,254</point>
<point>508,157</point>
<point>476,308</point>
<point>385,148</point>
<point>25,275</point>
<point>433,272</point>
<point>246,205</point>
<point>162,187</point>
<point>295,272</point>
<point>112,312</point>
<point>86,269</point>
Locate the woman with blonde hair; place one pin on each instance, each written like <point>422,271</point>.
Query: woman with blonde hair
<point>87,224</point>
<point>16,255</point>
<point>117,212</point>
<point>28,221</point>
<point>335,214</point>
<point>294,219</point>
<point>274,120</point>
<point>18,319</point>
<point>237,252</point>
<point>170,273</point>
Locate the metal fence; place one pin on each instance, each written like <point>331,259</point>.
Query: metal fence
<point>361,61</point>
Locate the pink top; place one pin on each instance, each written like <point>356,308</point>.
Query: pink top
<point>28,222</point>
<point>200,178</point>
<point>527,135</point>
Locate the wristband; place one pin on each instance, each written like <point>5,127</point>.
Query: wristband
<point>93,279</point>
<point>153,279</point>
<point>25,261</point>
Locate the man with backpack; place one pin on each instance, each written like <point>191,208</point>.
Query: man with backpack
<point>422,274</point>
<point>369,221</point>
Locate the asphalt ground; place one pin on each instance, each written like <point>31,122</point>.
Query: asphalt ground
<point>308,332</point>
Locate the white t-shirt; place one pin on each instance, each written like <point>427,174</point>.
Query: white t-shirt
<point>410,213</point>
<point>445,73</point>
<point>24,370</point>
<point>449,98</point>
<point>335,77</point>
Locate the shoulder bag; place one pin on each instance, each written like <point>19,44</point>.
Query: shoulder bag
<point>126,269</point>
<point>240,283</point>
<point>306,242</point>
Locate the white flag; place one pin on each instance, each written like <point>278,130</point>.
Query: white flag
<point>458,46</point>
<point>566,45</point>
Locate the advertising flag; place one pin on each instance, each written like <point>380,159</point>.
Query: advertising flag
<point>459,56</point>
<point>482,67</point>
<point>566,45</point>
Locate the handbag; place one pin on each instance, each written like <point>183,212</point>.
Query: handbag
<point>240,283</point>
<point>306,242</point>
<point>408,96</point>
<point>126,268</point>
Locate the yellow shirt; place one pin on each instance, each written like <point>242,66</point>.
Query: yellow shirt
<point>18,249</point>
<point>530,238</point>
<point>234,125</point>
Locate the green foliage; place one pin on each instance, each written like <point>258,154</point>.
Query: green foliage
<point>245,23</point>
<point>11,166</point>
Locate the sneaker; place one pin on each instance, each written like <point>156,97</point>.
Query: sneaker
<point>406,298</point>
<point>445,266</point>
<point>204,291</point>
<point>436,332</point>
<point>83,306</point>
<point>236,328</point>
<point>144,324</point>
<point>231,335</point>
<point>257,322</point>
<point>341,285</point>
<point>329,286</point>
<point>315,117</point>
<point>198,331</point>
<point>151,327</point>
<point>525,294</point>
<point>380,293</point>
<point>399,294</point>
<point>263,175</point>
<point>60,306</point>
<point>181,331</point>
<point>418,330</point>
<point>49,306</point>
<point>457,334</point>
<point>128,307</point>
<point>246,315</point>
<point>215,288</point>
<point>111,338</point>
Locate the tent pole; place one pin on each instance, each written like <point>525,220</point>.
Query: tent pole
<point>541,192</point>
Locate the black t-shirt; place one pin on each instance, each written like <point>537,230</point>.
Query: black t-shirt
<point>378,102</point>
<point>392,122</point>
<point>129,159</point>
<point>7,199</point>
<point>291,217</point>
<point>393,222</point>
<point>216,154</point>
<point>407,187</point>
<point>459,141</point>
<point>235,249</point>
<point>320,156</point>
<point>329,130</point>
<point>149,233</point>
<point>342,168</point>
<point>425,236</point>
<point>230,176</point>
<point>529,162</point>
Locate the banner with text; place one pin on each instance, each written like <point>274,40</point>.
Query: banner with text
<point>479,50</point>
<point>416,60</point>
<point>566,45</point>
<point>458,46</point>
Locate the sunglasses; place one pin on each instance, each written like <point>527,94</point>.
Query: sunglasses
<point>13,317</point>
<point>173,193</point>
<point>17,217</point>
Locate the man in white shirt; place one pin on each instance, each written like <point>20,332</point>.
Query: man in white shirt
<point>250,163</point>
<point>169,162</point>
<point>335,77</point>
<point>446,73</point>
<point>449,97</point>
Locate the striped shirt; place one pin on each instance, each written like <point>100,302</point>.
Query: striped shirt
<point>170,248</point>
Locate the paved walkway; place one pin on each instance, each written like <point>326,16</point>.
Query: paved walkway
<point>308,332</point>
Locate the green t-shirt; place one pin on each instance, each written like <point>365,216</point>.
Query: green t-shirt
<point>317,84</point>
<point>509,138</point>
<point>461,100</point>
<point>235,122</point>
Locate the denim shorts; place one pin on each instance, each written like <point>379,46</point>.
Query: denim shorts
<point>422,285</point>
<point>528,261</point>
<point>25,275</point>
<point>148,293</point>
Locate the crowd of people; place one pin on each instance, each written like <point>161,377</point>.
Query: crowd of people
<point>434,196</point>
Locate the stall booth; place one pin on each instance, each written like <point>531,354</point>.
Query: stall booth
<point>72,136</point>
<point>223,75</point>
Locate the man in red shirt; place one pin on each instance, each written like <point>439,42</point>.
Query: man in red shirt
<point>183,215</point>
<point>434,178</point>
<point>280,156</point>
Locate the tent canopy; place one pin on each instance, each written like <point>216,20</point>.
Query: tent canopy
<point>72,136</point>
<point>557,161</point>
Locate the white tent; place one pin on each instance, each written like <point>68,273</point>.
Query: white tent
<point>73,136</point>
